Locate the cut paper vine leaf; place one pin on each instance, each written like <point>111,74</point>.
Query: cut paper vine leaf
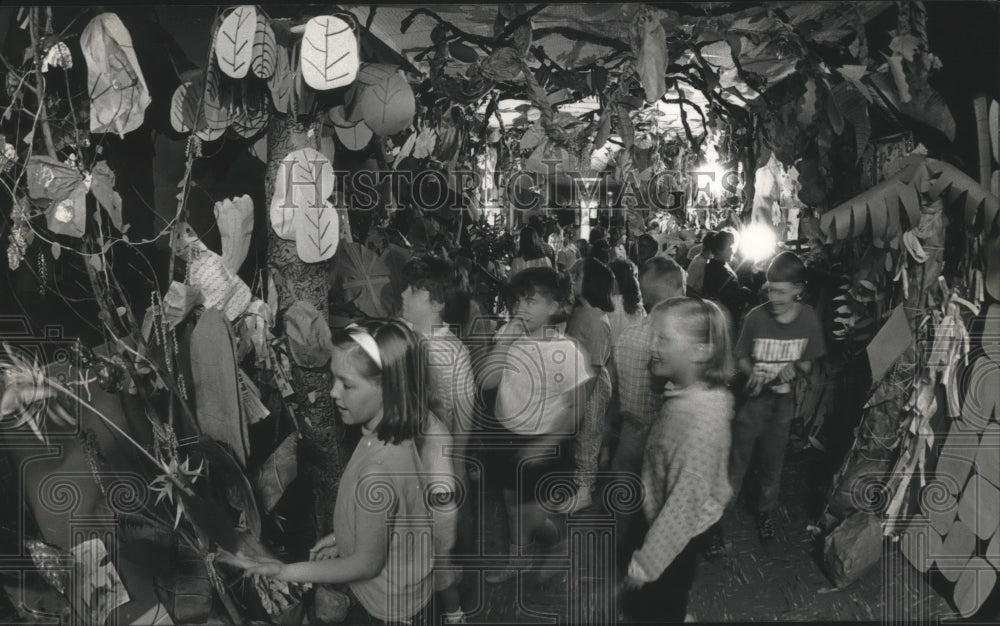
<point>338,117</point>
<point>214,108</point>
<point>234,41</point>
<point>117,89</point>
<point>354,138</point>
<point>317,232</point>
<point>884,205</point>
<point>649,44</point>
<point>387,106</point>
<point>68,216</point>
<point>183,109</point>
<point>102,186</point>
<point>235,219</point>
<point>308,334</point>
<point>503,65</point>
<point>329,53</point>
<point>263,61</point>
<point>304,178</point>
<point>280,83</point>
<point>50,179</point>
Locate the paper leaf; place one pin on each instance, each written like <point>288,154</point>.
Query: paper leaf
<point>68,216</point>
<point>264,56</point>
<point>388,105</point>
<point>183,110</point>
<point>338,116</point>
<point>317,232</point>
<point>215,111</point>
<point>329,56</point>
<point>102,185</point>
<point>280,83</point>
<point>117,89</point>
<point>650,48</point>
<point>259,149</point>
<point>96,262</point>
<point>305,96</point>
<point>56,250</point>
<point>405,150</point>
<point>502,65</point>
<point>304,178</point>
<point>277,472</point>
<point>235,219</point>
<point>354,138</point>
<point>424,146</point>
<point>250,119</point>
<point>234,41</point>
<point>50,179</point>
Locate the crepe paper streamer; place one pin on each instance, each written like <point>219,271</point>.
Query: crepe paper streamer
<point>179,301</point>
<point>214,371</point>
<point>387,106</point>
<point>304,178</point>
<point>115,84</point>
<point>69,215</point>
<point>338,117</point>
<point>329,55</point>
<point>355,138</point>
<point>264,56</point>
<point>235,219</point>
<point>317,232</point>
<point>308,335</point>
<point>234,41</point>
<point>102,186</point>
<point>280,83</point>
<point>98,589</point>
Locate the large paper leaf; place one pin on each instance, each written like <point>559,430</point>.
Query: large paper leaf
<point>235,219</point>
<point>184,112</point>
<point>329,53</point>
<point>304,178</point>
<point>925,104</point>
<point>308,334</point>
<point>338,116</point>
<point>115,84</point>
<point>102,185</point>
<point>387,106</point>
<point>277,472</point>
<point>68,216</point>
<point>853,108</point>
<point>234,41</point>
<point>215,109</point>
<point>280,83</point>
<point>649,44</point>
<point>50,179</point>
<point>264,56</point>
<point>317,232</point>
<point>356,137</point>
<point>249,118</point>
<point>305,96</point>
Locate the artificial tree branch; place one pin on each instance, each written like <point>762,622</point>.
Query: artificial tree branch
<point>518,21</point>
<point>43,116</point>
<point>573,33</point>
<point>484,42</point>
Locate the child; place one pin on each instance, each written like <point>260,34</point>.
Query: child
<point>700,256</point>
<point>530,252</point>
<point>376,372</point>
<point>593,283</point>
<point>434,299</point>
<point>684,468</point>
<point>721,283</point>
<point>540,378</point>
<point>779,341</point>
<point>628,300</point>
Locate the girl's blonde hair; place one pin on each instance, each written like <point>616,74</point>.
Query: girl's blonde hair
<point>705,322</point>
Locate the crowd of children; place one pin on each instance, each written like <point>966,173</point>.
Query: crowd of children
<point>602,364</point>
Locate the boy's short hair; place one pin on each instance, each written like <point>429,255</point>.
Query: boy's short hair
<point>706,241</point>
<point>547,282</point>
<point>719,242</point>
<point>787,267</point>
<point>444,283</point>
<point>665,269</point>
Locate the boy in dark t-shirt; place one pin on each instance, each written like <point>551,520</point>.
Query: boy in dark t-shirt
<point>778,343</point>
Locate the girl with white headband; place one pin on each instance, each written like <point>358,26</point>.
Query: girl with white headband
<point>377,378</point>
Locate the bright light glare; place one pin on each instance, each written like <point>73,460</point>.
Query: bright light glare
<point>758,242</point>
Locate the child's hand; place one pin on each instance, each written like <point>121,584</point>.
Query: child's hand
<point>755,385</point>
<point>325,548</point>
<point>787,373</point>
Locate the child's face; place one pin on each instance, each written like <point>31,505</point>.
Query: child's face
<point>781,296</point>
<point>673,351</point>
<point>359,398</point>
<point>536,310</point>
<point>418,309</point>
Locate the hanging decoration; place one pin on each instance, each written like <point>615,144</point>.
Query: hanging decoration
<point>384,99</point>
<point>280,82</point>
<point>221,289</point>
<point>317,232</point>
<point>356,137</point>
<point>234,41</point>
<point>117,88</point>
<point>304,178</point>
<point>264,49</point>
<point>235,219</point>
<point>329,53</point>
<point>649,44</point>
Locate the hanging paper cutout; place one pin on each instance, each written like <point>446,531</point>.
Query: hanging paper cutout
<point>50,179</point>
<point>649,43</point>
<point>277,472</point>
<point>97,588</point>
<point>308,335</point>
<point>179,301</point>
<point>264,55</point>
<point>235,219</point>
<point>234,41</point>
<point>252,115</point>
<point>221,289</point>
<point>317,232</point>
<point>117,89</point>
<point>183,110</point>
<point>69,215</point>
<point>329,56</point>
<point>58,56</point>
<point>305,98</point>
<point>338,116</point>
<point>215,109</point>
<point>424,146</point>
<point>102,186</point>
<point>304,178</point>
<point>387,106</point>
<point>280,83</point>
<point>354,138</point>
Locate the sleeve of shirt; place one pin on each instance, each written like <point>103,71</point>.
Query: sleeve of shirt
<point>744,345</point>
<point>687,488</point>
<point>815,346</point>
<point>595,337</point>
